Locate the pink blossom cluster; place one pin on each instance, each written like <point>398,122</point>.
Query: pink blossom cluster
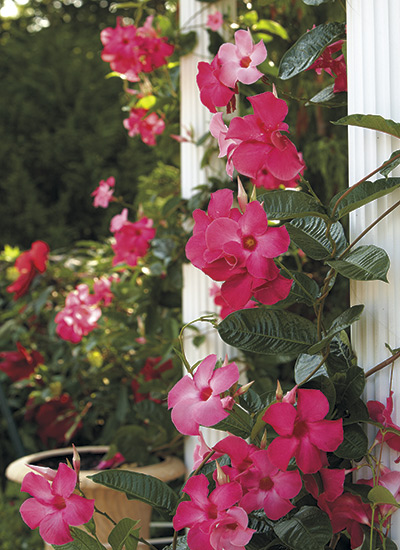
<point>217,81</point>
<point>131,50</point>
<point>81,311</point>
<point>215,21</point>
<point>239,249</point>
<point>103,194</point>
<point>255,145</point>
<point>132,239</point>
<point>334,66</point>
<point>148,126</point>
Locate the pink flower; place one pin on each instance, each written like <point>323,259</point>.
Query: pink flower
<point>79,316</point>
<point>102,291</point>
<point>379,413</point>
<point>214,21</point>
<point>270,488</point>
<point>112,462</point>
<point>132,241</point>
<point>54,507</point>
<point>119,220</point>
<point>265,179</point>
<point>239,249</point>
<point>226,309</point>
<point>20,364</point>
<point>213,520</point>
<point>302,432</point>
<point>350,513</point>
<point>212,92</point>
<point>131,50</point>
<point>239,61</point>
<point>29,264</point>
<point>391,481</point>
<point>201,451</point>
<point>103,194</point>
<point>147,126</point>
<point>196,400</point>
<point>258,142</point>
<point>335,67</point>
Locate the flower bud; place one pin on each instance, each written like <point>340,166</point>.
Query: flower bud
<point>242,197</point>
<point>279,392</point>
<point>76,460</point>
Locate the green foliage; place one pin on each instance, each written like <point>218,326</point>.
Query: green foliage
<point>309,527</point>
<point>364,263</point>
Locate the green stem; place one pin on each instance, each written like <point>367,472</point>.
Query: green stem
<point>303,181</point>
<point>321,300</point>
<point>362,181</point>
<point>204,318</point>
<point>371,226</point>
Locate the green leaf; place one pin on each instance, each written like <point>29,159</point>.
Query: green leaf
<point>355,412</point>
<point>349,386</point>
<point>308,48</point>
<point>139,486</point>
<point>371,122</point>
<point>386,171</point>
<point>239,423</point>
<point>364,193</point>
<point>289,204</point>
<point>306,364</point>
<point>273,27</point>
<point>355,443</point>
<point>120,536</point>
<point>82,541</point>
<point>340,354</point>
<point>186,42</point>
<point>181,542</point>
<point>309,528</point>
<point>343,321</point>
<point>131,442</point>
<point>381,495</point>
<point>309,234</point>
<point>304,290</point>
<point>364,263</point>
<point>267,331</point>
<point>328,97</point>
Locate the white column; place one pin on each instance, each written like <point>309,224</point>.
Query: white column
<point>195,117</point>
<point>373,88</point>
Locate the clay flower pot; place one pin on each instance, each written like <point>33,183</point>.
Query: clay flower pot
<point>113,502</point>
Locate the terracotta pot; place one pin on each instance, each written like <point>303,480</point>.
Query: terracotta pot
<point>113,502</point>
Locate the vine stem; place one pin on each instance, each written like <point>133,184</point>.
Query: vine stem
<point>362,181</point>
<point>322,298</point>
<point>371,226</point>
<point>204,318</point>
<point>309,376</point>
<point>382,365</point>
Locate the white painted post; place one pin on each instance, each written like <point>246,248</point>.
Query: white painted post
<point>373,46</point>
<point>195,117</point>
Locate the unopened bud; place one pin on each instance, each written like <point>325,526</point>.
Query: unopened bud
<point>76,460</point>
<point>253,196</point>
<point>227,403</point>
<point>226,361</point>
<point>242,196</point>
<point>290,396</point>
<point>274,91</point>
<point>279,392</point>
<point>222,478</point>
<point>263,443</point>
<point>243,389</point>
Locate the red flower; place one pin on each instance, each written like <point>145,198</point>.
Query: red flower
<point>152,370</point>
<point>20,364</point>
<point>56,419</point>
<point>29,264</point>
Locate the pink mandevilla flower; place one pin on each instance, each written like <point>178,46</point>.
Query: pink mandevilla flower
<point>214,21</point>
<point>29,264</point>
<point>302,432</point>
<point>196,400</point>
<point>239,249</point>
<point>54,507</point>
<point>104,192</point>
<point>226,309</point>
<point>132,241</point>
<point>257,142</point>
<point>334,66</point>
<point>379,413</point>
<point>213,520</point>
<point>148,126</point>
<point>79,316</point>
<point>119,220</point>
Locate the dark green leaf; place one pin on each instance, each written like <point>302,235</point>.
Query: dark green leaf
<point>82,541</point>
<point>386,171</point>
<point>377,542</point>
<point>365,263</point>
<point>308,48</point>
<point>372,122</point>
<point>181,542</point>
<point>343,321</point>
<point>309,528</point>
<point>381,495</point>
<point>267,331</point>
<point>186,42</point>
<point>288,204</point>
<point>340,354</point>
<point>139,486</point>
<point>356,411</point>
<point>215,40</point>
<point>251,401</point>
<point>121,537</point>
<point>309,234</point>
<point>131,442</point>
<point>364,193</point>
<point>239,423</point>
<point>304,290</point>
<point>329,97</point>
<point>306,364</point>
<point>349,386</point>
<point>355,443</point>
